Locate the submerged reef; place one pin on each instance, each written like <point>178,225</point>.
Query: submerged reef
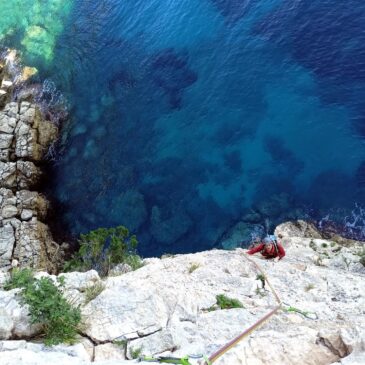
<point>35,25</point>
<point>233,10</point>
<point>170,71</point>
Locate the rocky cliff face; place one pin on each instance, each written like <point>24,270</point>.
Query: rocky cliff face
<point>24,139</point>
<point>168,307</point>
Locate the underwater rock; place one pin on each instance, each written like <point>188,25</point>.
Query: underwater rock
<point>233,10</point>
<point>275,205</point>
<point>282,156</point>
<point>171,228</point>
<point>129,208</point>
<point>170,71</point>
<point>252,217</point>
<point>241,235</point>
<point>37,25</point>
<point>330,185</point>
<point>28,72</point>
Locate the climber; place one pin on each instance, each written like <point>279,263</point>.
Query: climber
<point>270,248</point>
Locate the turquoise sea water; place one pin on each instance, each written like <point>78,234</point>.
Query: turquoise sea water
<point>188,114</point>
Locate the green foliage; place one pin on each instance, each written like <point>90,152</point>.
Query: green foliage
<point>136,353</point>
<point>47,306</point>
<point>20,278</point>
<point>121,343</point>
<point>324,245</point>
<point>262,278</point>
<point>93,291</point>
<point>193,267</point>
<point>134,261</point>
<point>261,292</point>
<point>228,303</point>
<point>361,253</point>
<point>103,248</point>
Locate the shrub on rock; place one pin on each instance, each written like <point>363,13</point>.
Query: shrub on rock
<point>47,306</point>
<point>103,248</point>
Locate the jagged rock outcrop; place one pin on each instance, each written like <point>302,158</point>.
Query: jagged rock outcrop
<point>24,140</point>
<point>166,308</point>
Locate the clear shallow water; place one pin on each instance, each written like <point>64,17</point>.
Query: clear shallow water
<point>186,114</point>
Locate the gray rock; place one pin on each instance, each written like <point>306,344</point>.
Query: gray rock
<point>5,140</point>
<point>120,269</point>
<point>7,125</point>
<point>8,174</point>
<point>31,200</point>
<point>9,211</point>
<point>14,318</point>
<point>35,247</point>
<point>4,155</point>
<point>298,228</point>
<point>109,351</point>
<point>26,214</point>
<point>7,240</point>
<point>28,174</point>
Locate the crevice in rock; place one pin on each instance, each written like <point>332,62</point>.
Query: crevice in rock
<point>26,136</point>
<point>94,342</point>
<point>341,351</point>
<point>148,334</point>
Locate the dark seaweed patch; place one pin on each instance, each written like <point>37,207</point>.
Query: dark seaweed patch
<point>170,71</point>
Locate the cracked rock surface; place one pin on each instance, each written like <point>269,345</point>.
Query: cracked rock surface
<point>24,139</point>
<point>165,308</point>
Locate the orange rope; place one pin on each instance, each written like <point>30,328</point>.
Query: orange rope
<point>240,337</point>
<point>249,330</point>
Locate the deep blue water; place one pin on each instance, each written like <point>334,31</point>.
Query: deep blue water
<point>186,114</point>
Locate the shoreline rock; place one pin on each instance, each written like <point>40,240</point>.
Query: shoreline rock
<point>25,136</point>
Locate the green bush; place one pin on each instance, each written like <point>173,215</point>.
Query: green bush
<point>47,306</point>
<point>103,248</point>
<point>193,267</point>
<point>361,253</point>
<point>20,278</point>
<point>134,261</point>
<point>93,291</point>
<point>136,353</point>
<point>228,303</point>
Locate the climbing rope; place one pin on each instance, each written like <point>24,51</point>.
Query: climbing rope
<point>240,337</point>
<point>215,356</point>
<point>281,306</point>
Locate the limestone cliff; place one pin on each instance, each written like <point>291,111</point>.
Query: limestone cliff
<point>168,307</point>
<point>24,140</point>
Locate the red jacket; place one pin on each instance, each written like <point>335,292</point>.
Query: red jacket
<point>264,249</point>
